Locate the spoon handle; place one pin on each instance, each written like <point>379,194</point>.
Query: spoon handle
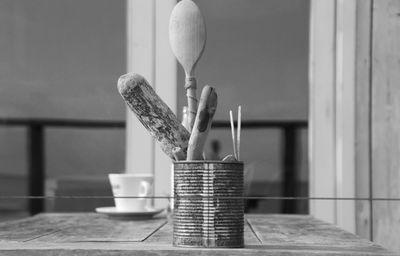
<point>191,88</point>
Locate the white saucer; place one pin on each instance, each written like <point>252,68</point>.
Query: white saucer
<point>113,212</point>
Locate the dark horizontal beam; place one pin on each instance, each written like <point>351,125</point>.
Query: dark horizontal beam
<point>77,123</point>
<point>263,124</point>
<point>70,123</point>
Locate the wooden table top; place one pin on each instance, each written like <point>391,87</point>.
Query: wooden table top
<point>94,234</point>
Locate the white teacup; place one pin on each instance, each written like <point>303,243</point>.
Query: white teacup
<point>135,185</point>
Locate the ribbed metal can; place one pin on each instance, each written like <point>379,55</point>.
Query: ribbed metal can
<point>208,205</point>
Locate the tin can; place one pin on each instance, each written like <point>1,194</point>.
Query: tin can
<point>208,204</point>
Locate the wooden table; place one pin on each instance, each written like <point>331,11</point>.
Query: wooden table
<point>94,234</point>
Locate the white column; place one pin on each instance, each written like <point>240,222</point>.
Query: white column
<point>332,110</point>
<point>140,59</point>
<point>322,146</point>
<point>345,112</point>
<point>166,87</point>
<point>149,54</point>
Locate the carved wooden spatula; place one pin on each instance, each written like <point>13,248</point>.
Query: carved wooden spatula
<point>202,124</point>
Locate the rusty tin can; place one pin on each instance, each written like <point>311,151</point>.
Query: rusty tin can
<point>208,205</point>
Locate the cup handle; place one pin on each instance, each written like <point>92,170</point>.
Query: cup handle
<point>145,189</point>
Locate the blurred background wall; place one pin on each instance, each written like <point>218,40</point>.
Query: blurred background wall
<point>257,56</point>
<point>62,58</point>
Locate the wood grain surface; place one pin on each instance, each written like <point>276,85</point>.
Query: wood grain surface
<point>362,122</point>
<point>93,234</point>
<point>78,228</point>
<point>305,232</point>
<point>153,113</point>
<point>386,121</point>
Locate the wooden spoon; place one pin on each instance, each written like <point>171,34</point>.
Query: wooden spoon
<point>187,35</point>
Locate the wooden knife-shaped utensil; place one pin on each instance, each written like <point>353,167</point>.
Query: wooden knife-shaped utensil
<point>202,123</point>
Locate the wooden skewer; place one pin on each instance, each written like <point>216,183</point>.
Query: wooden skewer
<point>233,134</point>
<point>239,125</point>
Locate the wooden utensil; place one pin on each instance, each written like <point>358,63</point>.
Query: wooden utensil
<point>239,130</point>
<point>229,158</point>
<point>187,35</point>
<point>153,113</point>
<point>202,124</point>
<point>233,134</point>
<point>178,154</point>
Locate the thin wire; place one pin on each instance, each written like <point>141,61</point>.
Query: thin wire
<point>220,197</point>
